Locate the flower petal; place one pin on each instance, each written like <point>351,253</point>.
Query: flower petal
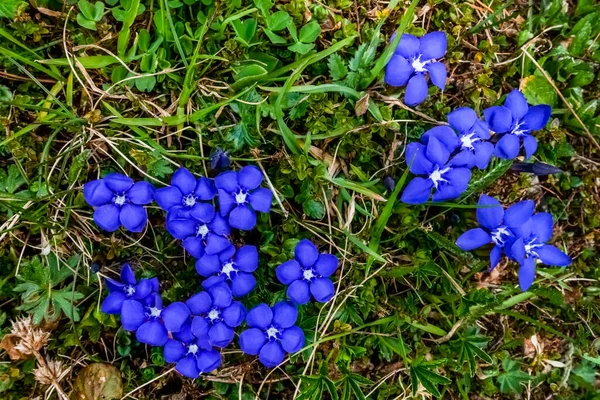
<point>398,71</point>
<point>462,119</point>
<point>495,254</point>
<point>200,327</point>
<point>483,154</point>
<point>261,199</point>
<point>292,339</point>
<point>132,315</point>
<point>168,197</point>
<point>221,295</point>
<point>437,153</point>
<point>184,180</point>
<point>216,244</point>
<point>499,118</point>
<point>118,183</point>
<point>249,177</point>
<point>246,258</point>
<point>284,314</point>
<point>537,117</point>
<point>185,335</point>
<point>205,189</point>
<point>489,212</point>
<point>127,275</point>
<point>208,265</point>
<point>322,289</point>
<point>299,292</point>
<point>271,354</point>
<point>153,333</point>
<point>242,217</point>
<point>234,314</point>
<point>226,203</point>
<point>517,214</point>
<point>542,226</point>
<point>416,159</point>
<point>260,316</point>
<point>326,264</point>
<point>113,302</point>
<point>508,146</point>
<point>96,193</point>
<point>208,361</point>
<point>433,45</point>
<point>306,253</point>
<point>228,181</point>
<point>203,212</point>
<point>444,134</point>
<point>516,103</point>
<point>459,178</point>
<point>417,191</point>
<point>181,228</point>
<point>473,239</point>
<point>252,340</point>
<point>530,145</point>
<point>141,193</point>
<point>220,335</point>
<point>188,367</point>
<point>174,351</point>
<point>194,245</point>
<point>288,272</point>
<point>437,74</point>
<point>107,217</point>
<point>133,217</point>
<point>527,273</point>
<point>464,158</point>
<point>214,280</point>
<point>408,46</point>
<point>242,284</point>
<point>219,225</point>
<point>175,315</point>
<point>446,192</point>
<point>143,289</point>
<point>517,251</point>
<point>416,90</point>
<point>550,255</point>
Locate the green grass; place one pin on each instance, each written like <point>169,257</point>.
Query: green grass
<point>147,86</point>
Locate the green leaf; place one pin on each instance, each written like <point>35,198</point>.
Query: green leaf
<point>77,164</point>
<point>91,12</point>
<point>421,372</point>
<point>580,39</point>
<point>9,8</point>
<point>278,21</point>
<point>469,348</point>
<point>274,38</point>
<point>314,209</point>
<point>310,32</point>
<point>537,90</point>
<point>245,30</point>
<point>264,6</point>
<point>301,48</point>
<point>337,67</point>
<point>86,23</point>
<point>512,378</point>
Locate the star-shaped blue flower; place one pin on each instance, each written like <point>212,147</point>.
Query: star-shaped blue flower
<point>474,149</point>
<point>192,358</point>
<point>413,59</point>
<point>128,288</point>
<point>185,193</point>
<point>231,266</point>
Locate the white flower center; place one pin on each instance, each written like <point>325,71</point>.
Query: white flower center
<point>468,140</point>
<point>419,65</point>
<point>227,269</point>
<point>308,274</point>
<point>193,349</point>
<point>189,200</point>
<point>214,314</point>
<point>202,231</point>
<point>437,176</point>
<point>531,246</point>
<point>120,200</point>
<point>499,235</point>
<point>240,197</point>
<point>129,290</point>
<point>519,132</point>
<point>155,312</point>
<point>272,332</point>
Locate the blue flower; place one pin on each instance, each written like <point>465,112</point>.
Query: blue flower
<point>118,201</point>
<point>151,322</point>
<point>233,266</point>
<point>474,149</point>
<point>431,160</point>
<point>202,230</point>
<point>240,196</point>
<point>215,314</point>
<point>272,333</point>
<point>497,226</point>
<point>412,59</point>
<point>219,159</point>
<point>514,121</point>
<point>128,289</point>
<point>308,273</point>
<point>185,193</point>
<point>192,358</point>
<point>531,245</point>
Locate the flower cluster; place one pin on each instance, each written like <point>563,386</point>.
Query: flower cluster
<point>517,232</point>
<point>446,154</point>
<point>192,332</point>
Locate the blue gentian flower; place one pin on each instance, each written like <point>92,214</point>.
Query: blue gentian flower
<point>272,333</point>
<point>308,274</point>
<point>412,59</point>
<point>474,149</point>
<point>431,160</point>
<point>231,266</point>
<point>119,201</point>
<point>192,358</point>
<point>219,159</point>
<point>185,193</point>
<point>151,322</point>
<point>202,230</point>
<point>128,288</point>
<point>240,196</point>
<point>531,245</point>
<point>514,121</point>
<point>497,226</point>
<point>215,314</point>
